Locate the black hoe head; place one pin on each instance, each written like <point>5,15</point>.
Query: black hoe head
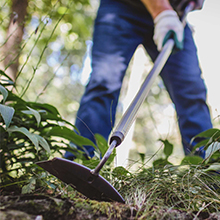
<point>80,178</point>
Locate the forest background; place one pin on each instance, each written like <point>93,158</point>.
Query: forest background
<point>50,63</point>
<point>45,48</point>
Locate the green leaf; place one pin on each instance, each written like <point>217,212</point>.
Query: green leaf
<point>4,92</point>
<point>213,167</point>
<point>2,133</point>
<point>64,132</point>
<point>7,113</point>
<point>103,147</point>
<point>120,172</point>
<point>51,112</point>
<point>111,157</point>
<point>101,143</point>
<point>161,163</point>
<point>168,148</point>
<point>196,160</point>
<point>24,131</point>
<point>43,143</point>
<point>142,156</point>
<point>79,152</point>
<point>92,164</point>
<point>49,108</point>
<point>7,82</point>
<point>30,187</point>
<point>201,144</point>
<point>14,98</point>
<point>35,113</point>
<point>213,132</point>
<point>212,149</point>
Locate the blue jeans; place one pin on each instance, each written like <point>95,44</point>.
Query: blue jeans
<point>118,30</point>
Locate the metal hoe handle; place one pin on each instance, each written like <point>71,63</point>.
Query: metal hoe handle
<point>131,113</point>
<point>105,158</point>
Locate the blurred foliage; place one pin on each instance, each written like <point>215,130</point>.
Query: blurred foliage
<point>32,132</point>
<point>52,50</point>
<point>51,60</point>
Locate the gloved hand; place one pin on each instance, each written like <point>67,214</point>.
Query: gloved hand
<point>166,25</point>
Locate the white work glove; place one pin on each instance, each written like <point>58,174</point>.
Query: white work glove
<point>166,25</point>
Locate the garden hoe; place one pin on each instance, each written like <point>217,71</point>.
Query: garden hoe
<point>89,182</point>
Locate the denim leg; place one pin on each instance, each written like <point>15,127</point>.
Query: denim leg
<point>182,78</point>
<point>114,42</point>
<point>118,31</point>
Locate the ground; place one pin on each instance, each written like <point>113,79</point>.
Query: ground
<point>47,207</point>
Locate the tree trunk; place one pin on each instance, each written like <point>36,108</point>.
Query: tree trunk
<point>11,49</point>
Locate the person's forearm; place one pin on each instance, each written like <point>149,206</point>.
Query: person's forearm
<point>155,7</point>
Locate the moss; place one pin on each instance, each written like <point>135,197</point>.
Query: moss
<point>15,215</point>
<point>100,207</point>
<point>80,203</point>
<point>103,210</point>
<point>78,208</point>
<point>106,210</point>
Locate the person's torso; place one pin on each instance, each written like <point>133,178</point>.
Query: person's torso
<point>178,5</point>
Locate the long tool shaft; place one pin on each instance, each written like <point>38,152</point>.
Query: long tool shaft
<point>105,158</point>
<point>128,118</point>
<point>130,115</point>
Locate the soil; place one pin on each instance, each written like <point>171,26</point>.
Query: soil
<point>47,207</point>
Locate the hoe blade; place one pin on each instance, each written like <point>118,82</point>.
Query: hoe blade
<point>80,178</point>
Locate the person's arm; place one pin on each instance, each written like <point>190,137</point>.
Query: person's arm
<point>155,7</point>
<point>166,23</point>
